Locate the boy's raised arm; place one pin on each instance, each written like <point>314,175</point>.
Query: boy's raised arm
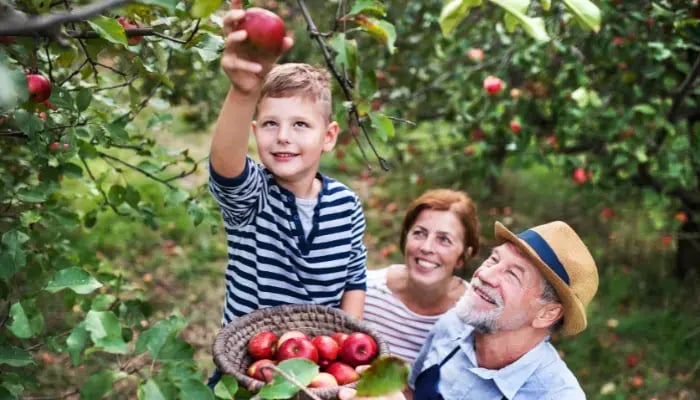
<point>229,145</point>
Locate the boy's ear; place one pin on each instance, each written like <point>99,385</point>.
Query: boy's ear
<point>254,127</point>
<point>331,136</point>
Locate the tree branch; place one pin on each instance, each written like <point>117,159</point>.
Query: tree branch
<point>17,23</point>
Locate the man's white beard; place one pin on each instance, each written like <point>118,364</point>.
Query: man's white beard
<point>482,321</point>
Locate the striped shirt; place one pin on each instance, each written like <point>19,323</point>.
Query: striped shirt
<point>270,260</point>
<point>402,329</point>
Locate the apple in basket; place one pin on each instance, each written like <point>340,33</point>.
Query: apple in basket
<point>323,380</point>
<point>256,371</point>
<point>297,348</point>
<point>263,345</point>
<point>327,349</point>
<point>289,335</point>
<point>339,337</point>
<point>359,348</point>
<point>343,373</point>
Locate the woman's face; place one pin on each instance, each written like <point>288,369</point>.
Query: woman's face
<point>434,247</point>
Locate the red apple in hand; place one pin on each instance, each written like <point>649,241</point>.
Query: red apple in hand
<point>343,373</point>
<point>327,347</point>
<point>39,87</point>
<point>493,85</point>
<point>256,371</point>
<point>323,379</point>
<point>289,335</point>
<point>339,337</point>
<point>265,30</point>
<point>263,345</point>
<point>297,348</point>
<point>358,348</point>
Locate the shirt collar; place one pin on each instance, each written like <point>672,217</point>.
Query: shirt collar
<point>512,377</point>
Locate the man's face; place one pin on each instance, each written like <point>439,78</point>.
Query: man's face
<point>504,292</point>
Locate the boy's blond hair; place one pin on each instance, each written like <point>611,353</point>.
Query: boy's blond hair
<point>298,79</point>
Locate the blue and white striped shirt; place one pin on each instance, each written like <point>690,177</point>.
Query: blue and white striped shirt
<point>270,260</point>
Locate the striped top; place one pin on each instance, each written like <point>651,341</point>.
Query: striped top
<point>270,260</point>
<point>402,329</point>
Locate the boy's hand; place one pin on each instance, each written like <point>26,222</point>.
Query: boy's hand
<point>245,74</point>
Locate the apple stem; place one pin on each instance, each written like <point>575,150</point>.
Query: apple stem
<point>289,378</point>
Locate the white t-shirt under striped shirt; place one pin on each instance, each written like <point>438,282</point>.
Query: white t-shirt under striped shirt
<point>402,329</point>
<point>271,260</point>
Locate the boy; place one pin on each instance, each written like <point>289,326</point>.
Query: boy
<point>294,236</point>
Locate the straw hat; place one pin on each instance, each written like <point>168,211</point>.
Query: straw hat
<point>564,260</point>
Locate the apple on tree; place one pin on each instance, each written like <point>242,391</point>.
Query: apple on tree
<point>39,88</point>
<point>265,31</point>
<point>129,24</point>
<point>493,85</point>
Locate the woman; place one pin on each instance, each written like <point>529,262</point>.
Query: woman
<point>440,232</point>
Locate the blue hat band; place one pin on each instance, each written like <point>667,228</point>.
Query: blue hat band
<point>545,253</point>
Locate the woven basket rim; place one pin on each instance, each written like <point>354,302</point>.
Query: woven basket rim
<point>234,337</point>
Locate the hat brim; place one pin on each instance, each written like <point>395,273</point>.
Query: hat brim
<point>574,313</point>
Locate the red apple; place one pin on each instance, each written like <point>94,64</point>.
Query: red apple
<point>358,348</point>
<point>297,348</point>
<point>339,337</point>
<point>323,380</point>
<point>476,55</point>
<point>54,146</point>
<point>262,345</point>
<point>515,126</point>
<point>493,85</point>
<point>129,24</point>
<point>265,30</point>
<point>256,371</point>
<point>289,335</point>
<point>343,373</point>
<point>327,347</point>
<point>579,176</point>
<point>478,135</point>
<point>681,216</point>
<point>607,213</point>
<point>39,87</point>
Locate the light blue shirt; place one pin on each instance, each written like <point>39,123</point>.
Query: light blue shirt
<point>540,374</point>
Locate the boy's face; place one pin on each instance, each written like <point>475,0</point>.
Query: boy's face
<point>291,134</point>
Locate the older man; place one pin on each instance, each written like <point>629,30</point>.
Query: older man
<point>494,344</point>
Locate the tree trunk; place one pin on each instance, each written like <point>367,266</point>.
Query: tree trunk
<point>688,255</point>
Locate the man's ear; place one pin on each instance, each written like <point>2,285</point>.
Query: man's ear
<point>549,314</point>
<point>330,137</point>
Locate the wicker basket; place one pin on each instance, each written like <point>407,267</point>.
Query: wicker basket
<point>230,347</point>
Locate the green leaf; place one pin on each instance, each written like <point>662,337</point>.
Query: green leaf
<point>386,375</point>
<point>27,322</point>
<point>62,98</point>
<point>29,122</point>
<point>105,331</point>
<point>378,29</point>
<point>14,84</point>
<point>76,343</point>
<point>372,7</point>
<point>192,389</point>
<point>454,12</point>
<point>109,28</point>
<point>34,194</point>
<point>15,357</point>
<point>586,12</point>
<point>546,4</point>
<point>169,5</point>
<point>226,388</point>
<point>73,278</point>
<point>208,46</point>
<point>644,109</point>
<point>300,369</point>
<point>346,52</point>
<point>99,384</point>
<point>83,99</point>
<point>116,194</point>
<point>150,391</point>
<point>12,258</point>
<point>533,26</point>
<point>155,338</point>
<point>204,8</point>
<point>383,125</point>
<point>117,132</point>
